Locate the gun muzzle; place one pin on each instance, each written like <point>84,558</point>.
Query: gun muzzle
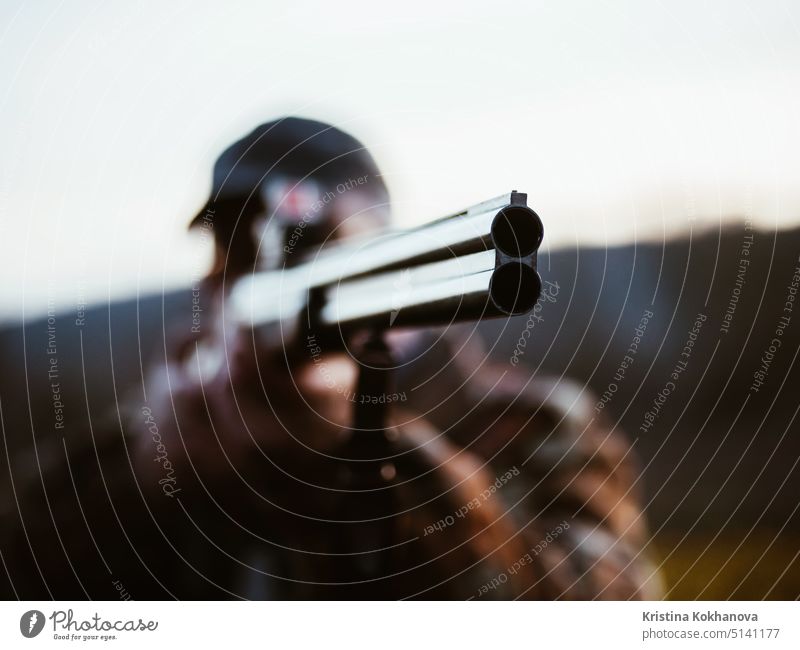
<point>499,280</point>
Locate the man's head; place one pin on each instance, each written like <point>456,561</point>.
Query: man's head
<point>285,188</point>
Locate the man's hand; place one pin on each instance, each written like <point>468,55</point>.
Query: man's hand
<point>223,401</point>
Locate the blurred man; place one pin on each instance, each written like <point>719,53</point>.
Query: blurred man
<point>239,474</point>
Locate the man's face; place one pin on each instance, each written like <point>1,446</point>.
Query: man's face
<point>303,216</point>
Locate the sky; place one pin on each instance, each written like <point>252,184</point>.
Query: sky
<point>623,121</point>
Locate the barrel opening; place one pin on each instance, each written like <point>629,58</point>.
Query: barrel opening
<point>517,231</point>
<point>515,288</point>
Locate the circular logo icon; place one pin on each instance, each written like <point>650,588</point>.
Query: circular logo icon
<point>31,623</point>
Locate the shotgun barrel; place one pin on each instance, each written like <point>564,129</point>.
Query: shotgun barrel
<point>478,263</point>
